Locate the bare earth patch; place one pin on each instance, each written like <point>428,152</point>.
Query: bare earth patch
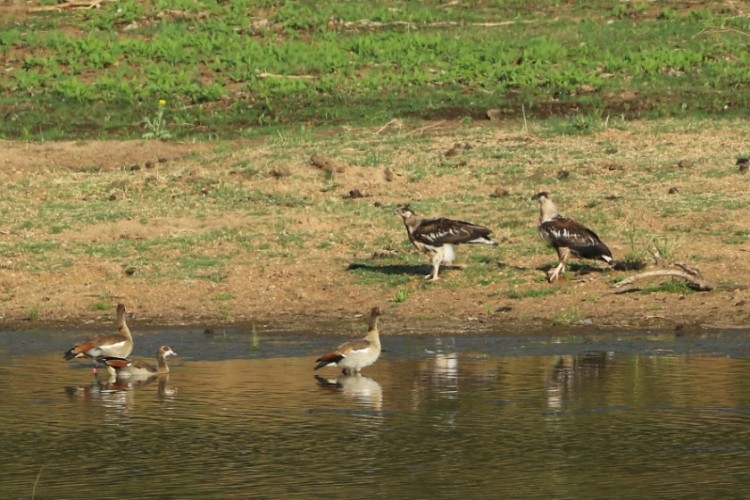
<point>285,244</point>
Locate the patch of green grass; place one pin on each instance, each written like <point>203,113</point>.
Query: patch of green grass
<point>679,287</point>
<point>204,269</point>
<point>737,237</point>
<point>401,295</point>
<point>223,296</point>
<point>322,64</point>
<point>224,314</point>
<point>255,344</point>
<point>385,273</point>
<point>531,293</point>
<point>34,312</point>
<point>568,316</point>
<point>101,306</point>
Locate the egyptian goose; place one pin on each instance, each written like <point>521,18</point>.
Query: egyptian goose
<point>352,356</point>
<point>125,368</point>
<point>567,236</point>
<point>436,237</point>
<point>118,344</point>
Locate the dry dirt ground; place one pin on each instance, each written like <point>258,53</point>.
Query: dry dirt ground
<point>308,295</point>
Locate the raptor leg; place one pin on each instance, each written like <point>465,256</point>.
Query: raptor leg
<point>437,259</point>
<point>563,254</point>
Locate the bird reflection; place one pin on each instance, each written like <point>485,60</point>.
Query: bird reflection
<point>363,390</point>
<point>131,383</point>
<point>572,374</point>
<point>118,393</point>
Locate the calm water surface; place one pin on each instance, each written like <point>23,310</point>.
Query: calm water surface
<point>576,416</point>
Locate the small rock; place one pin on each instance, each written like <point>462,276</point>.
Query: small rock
<point>384,253</point>
<point>325,163</point>
<point>494,114</point>
<point>388,174</point>
<point>131,27</point>
<point>279,172</point>
<point>499,193</point>
<point>356,193</point>
<point>451,152</point>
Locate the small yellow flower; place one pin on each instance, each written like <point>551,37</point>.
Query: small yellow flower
<point>162,102</point>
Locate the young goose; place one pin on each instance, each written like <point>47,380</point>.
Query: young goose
<point>124,368</point>
<point>118,344</point>
<point>436,237</point>
<point>567,236</point>
<point>352,356</point>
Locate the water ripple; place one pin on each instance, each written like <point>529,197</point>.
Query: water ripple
<point>453,421</point>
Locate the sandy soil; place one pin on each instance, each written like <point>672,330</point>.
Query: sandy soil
<point>322,296</point>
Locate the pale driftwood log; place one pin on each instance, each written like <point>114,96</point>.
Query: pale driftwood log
<point>691,275</point>
<point>265,74</point>
<point>94,4</point>
<point>367,24</point>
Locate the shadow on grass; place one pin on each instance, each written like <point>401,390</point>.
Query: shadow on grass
<point>416,270</point>
<point>583,268</point>
<point>391,269</point>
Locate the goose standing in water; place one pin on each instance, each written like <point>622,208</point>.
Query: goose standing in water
<point>352,356</point>
<point>125,368</point>
<point>118,344</point>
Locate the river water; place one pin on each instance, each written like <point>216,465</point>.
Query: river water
<point>588,415</point>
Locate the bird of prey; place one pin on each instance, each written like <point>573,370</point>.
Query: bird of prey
<point>352,356</point>
<point>567,236</point>
<point>436,237</point>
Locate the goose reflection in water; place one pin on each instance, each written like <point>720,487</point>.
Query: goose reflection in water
<point>131,383</point>
<point>118,393</point>
<point>363,390</point>
<point>572,375</point>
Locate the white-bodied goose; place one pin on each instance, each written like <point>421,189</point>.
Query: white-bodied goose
<point>118,344</point>
<point>352,356</point>
<point>124,368</point>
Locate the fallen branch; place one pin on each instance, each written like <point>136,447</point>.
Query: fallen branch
<point>724,29</point>
<point>93,4</point>
<point>366,23</point>
<point>691,275</point>
<point>396,122</point>
<point>265,74</point>
<point>422,129</point>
